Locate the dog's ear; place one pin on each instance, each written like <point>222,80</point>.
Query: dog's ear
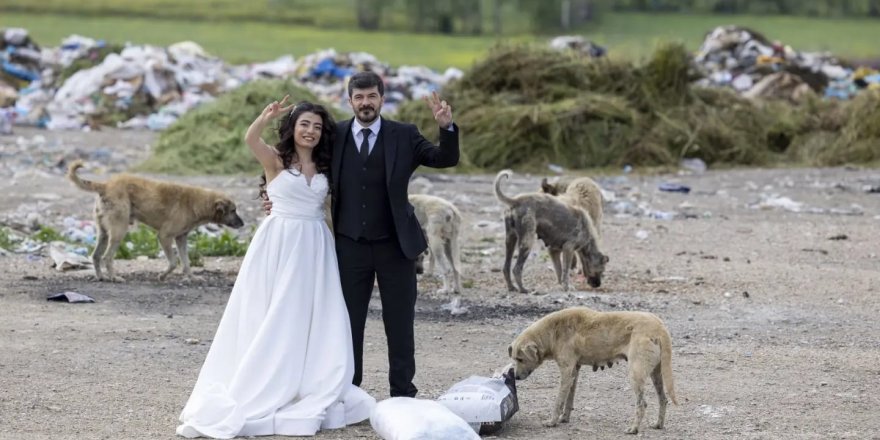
<point>546,187</point>
<point>222,206</point>
<point>510,351</point>
<point>531,351</point>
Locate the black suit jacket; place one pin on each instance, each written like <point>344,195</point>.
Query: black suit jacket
<point>405,150</point>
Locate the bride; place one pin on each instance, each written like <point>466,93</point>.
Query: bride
<point>281,362</point>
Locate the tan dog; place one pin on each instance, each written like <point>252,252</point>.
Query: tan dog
<point>171,209</point>
<point>581,336</point>
<point>565,229</point>
<point>441,222</point>
<point>582,192</point>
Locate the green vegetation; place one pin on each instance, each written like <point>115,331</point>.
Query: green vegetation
<point>210,139</point>
<point>142,241</point>
<point>627,36</point>
<point>527,106</point>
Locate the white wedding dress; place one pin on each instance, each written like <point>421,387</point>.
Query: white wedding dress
<point>281,362</point>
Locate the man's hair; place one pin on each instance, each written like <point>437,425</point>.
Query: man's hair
<point>366,80</point>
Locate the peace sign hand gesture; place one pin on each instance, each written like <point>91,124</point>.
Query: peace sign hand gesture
<point>441,110</point>
<point>276,109</point>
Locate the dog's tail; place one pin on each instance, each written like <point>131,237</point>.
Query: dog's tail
<point>498,194</point>
<point>83,184</point>
<point>666,365</point>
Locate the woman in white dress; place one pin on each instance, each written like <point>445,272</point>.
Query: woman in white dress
<point>281,362</point>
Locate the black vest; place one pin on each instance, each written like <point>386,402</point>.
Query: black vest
<point>363,207</point>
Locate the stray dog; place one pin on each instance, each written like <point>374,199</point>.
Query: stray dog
<point>566,230</point>
<point>582,192</point>
<point>441,222</point>
<point>171,209</point>
<point>581,336</point>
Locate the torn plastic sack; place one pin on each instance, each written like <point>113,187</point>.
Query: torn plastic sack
<point>485,403</point>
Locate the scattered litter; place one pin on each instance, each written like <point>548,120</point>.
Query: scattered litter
<point>71,297</point>
<point>642,234</point>
<point>192,341</point>
<point>872,189</point>
<point>578,43</point>
<point>696,165</point>
<point>674,187</point>
<point>454,307</point>
<point>839,237</point>
<point>775,201</point>
<point>556,168</point>
<point>821,251</point>
<point>64,259</point>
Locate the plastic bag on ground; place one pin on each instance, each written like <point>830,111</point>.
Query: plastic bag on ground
<point>484,402</point>
<point>406,418</point>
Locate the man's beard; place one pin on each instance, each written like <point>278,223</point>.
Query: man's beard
<point>370,116</point>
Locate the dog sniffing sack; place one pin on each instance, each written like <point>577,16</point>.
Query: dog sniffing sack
<point>485,403</point>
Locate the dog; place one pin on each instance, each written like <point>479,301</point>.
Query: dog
<point>579,336</point>
<point>173,210</point>
<point>441,223</point>
<point>582,192</point>
<point>566,230</point>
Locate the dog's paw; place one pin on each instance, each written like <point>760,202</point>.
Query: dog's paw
<point>658,425</point>
<point>117,279</point>
<point>550,422</point>
<point>633,430</point>
<point>192,279</point>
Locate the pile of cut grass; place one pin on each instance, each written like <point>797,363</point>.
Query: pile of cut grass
<point>210,138</point>
<point>526,106</point>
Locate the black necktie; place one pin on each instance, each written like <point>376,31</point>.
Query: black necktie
<point>365,144</point>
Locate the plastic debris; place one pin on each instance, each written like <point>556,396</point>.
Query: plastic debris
<point>485,403</point>
<point>142,86</point>
<point>71,297</point>
<point>746,61</point>
<point>64,260</point>
<point>674,187</point>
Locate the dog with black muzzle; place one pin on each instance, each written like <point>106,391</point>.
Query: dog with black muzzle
<point>172,209</point>
<point>565,229</point>
<point>579,336</point>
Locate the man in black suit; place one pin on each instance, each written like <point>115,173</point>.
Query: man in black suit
<point>377,233</point>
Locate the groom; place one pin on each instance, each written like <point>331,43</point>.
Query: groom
<point>377,234</point>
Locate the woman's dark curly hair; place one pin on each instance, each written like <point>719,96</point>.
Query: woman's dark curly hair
<point>286,149</point>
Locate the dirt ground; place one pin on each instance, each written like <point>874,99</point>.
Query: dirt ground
<point>773,322</point>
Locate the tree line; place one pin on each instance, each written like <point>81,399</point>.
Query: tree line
<point>477,17</point>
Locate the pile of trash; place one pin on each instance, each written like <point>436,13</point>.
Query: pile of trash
<point>85,83</point>
<point>745,60</point>
<point>579,44</point>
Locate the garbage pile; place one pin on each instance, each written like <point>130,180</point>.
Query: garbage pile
<point>86,83</point>
<point>745,60</point>
<point>579,44</point>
